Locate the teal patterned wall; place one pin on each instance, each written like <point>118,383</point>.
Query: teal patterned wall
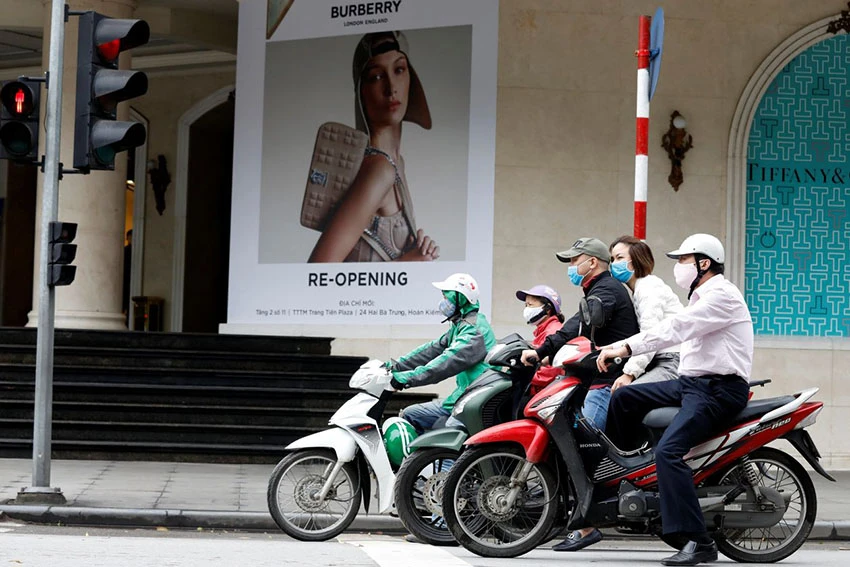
<point>798,198</point>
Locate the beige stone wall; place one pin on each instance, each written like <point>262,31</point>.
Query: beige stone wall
<point>168,98</point>
<point>565,155</point>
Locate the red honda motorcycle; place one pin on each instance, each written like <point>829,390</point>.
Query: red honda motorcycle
<point>518,479</point>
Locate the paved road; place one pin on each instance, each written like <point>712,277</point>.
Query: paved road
<point>40,546</point>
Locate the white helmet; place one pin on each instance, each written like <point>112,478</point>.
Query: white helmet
<point>461,283</point>
<point>701,244</point>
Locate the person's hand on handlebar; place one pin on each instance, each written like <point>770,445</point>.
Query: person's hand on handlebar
<point>529,357</point>
<point>609,353</point>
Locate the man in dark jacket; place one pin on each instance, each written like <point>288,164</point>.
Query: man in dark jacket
<point>588,259</point>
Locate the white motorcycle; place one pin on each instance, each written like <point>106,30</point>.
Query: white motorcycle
<point>315,492</point>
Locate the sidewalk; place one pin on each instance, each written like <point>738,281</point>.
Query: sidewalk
<point>225,496</point>
<point>143,493</point>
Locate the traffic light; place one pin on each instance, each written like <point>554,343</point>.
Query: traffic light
<point>62,253</point>
<point>101,86</point>
<point>19,120</point>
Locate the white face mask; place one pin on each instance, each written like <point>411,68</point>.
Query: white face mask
<point>532,314</point>
<point>685,274</point>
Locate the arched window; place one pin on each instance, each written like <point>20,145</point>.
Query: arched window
<point>797,263</point>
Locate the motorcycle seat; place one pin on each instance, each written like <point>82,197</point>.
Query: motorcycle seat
<point>662,417</point>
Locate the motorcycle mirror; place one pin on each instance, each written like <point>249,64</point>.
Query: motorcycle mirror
<point>592,313</point>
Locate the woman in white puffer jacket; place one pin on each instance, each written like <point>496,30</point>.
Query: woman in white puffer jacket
<point>632,264</point>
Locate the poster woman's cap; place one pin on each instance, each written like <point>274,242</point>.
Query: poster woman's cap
<point>373,44</point>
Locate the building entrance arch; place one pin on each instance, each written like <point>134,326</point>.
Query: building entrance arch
<point>181,198</point>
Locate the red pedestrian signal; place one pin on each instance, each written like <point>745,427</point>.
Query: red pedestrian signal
<point>19,115</point>
<point>19,101</point>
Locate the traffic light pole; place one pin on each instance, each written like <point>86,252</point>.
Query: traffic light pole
<point>43,412</point>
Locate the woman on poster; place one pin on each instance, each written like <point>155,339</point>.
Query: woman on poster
<point>374,221</point>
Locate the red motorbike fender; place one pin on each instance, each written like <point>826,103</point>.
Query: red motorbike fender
<point>530,434</point>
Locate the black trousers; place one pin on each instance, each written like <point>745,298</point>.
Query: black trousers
<point>708,405</point>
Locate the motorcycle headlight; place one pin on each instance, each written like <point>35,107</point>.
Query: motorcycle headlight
<point>493,352</point>
<point>566,352</point>
<point>360,379</point>
<point>547,412</point>
<point>461,403</point>
<point>369,379</point>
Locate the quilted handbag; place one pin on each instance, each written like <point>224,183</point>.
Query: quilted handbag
<point>337,156</point>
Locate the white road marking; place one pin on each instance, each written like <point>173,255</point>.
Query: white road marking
<point>391,552</point>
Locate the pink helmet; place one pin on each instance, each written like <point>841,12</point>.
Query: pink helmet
<point>545,292</point>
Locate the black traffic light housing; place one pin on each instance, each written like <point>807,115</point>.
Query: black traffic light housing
<point>98,136</point>
<point>19,115</point>
<point>62,253</point>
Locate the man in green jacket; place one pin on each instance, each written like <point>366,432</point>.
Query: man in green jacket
<point>460,352</point>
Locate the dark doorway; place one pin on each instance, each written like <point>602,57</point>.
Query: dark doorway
<point>17,244</point>
<point>208,220</point>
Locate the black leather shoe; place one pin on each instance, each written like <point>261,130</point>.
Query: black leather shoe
<point>574,541</point>
<point>692,554</point>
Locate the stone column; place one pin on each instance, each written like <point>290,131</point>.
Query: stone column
<point>94,201</point>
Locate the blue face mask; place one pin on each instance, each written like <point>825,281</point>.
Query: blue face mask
<point>621,272</point>
<point>447,308</point>
<point>575,277</point>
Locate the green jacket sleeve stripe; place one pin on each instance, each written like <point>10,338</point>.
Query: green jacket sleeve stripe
<point>422,354</point>
<point>466,350</point>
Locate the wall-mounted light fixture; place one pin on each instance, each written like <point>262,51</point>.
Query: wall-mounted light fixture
<point>677,142</point>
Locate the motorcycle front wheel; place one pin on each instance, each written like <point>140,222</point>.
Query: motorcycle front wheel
<point>779,471</point>
<point>419,494</point>
<point>475,502</point>
<point>294,495</point>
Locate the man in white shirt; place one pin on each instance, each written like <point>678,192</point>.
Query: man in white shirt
<point>716,336</point>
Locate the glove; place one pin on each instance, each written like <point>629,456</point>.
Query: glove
<point>397,385</point>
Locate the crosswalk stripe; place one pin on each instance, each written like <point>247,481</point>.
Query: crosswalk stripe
<point>388,553</point>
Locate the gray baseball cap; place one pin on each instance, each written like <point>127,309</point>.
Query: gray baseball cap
<point>590,246</point>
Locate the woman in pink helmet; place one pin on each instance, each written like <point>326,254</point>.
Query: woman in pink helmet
<point>543,310</point>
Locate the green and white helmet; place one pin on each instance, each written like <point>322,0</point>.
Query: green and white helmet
<point>461,283</point>
<point>398,435</point>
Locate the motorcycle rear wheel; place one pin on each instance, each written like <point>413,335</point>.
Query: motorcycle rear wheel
<point>419,494</point>
<point>473,502</point>
<point>781,472</point>
<point>294,485</point>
